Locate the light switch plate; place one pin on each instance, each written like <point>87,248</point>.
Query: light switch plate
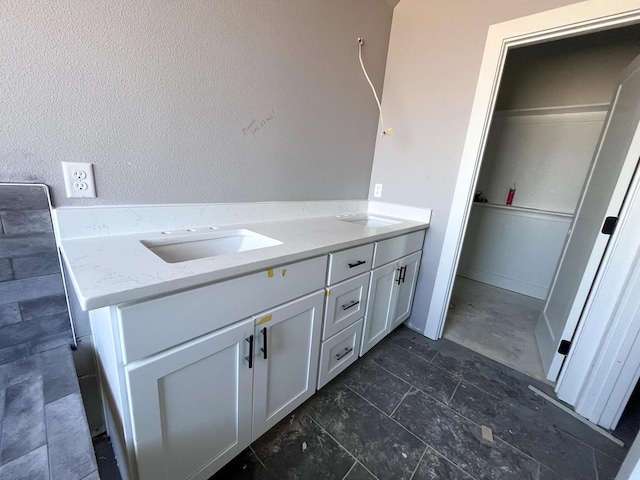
<point>78,180</point>
<point>377,191</point>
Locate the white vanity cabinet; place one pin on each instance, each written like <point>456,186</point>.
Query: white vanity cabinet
<point>191,379</point>
<point>392,287</point>
<point>196,406</point>
<point>361,311</point>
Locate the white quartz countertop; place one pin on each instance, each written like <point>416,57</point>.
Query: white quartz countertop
<point>116,269</point>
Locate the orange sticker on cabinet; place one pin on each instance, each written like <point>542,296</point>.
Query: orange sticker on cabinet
<point>265,319</point>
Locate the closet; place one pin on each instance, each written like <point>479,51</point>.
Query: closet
<point>552,104</point>
<point>545,153</point>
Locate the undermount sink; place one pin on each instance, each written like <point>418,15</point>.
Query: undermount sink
<point>370,221</point>
<point>197,246</point>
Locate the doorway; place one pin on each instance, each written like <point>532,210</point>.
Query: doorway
<point>550,110</point>
<point>575,378</point>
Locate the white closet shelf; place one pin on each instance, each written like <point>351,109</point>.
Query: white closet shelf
<point>555,110</point>
<point>524,209</point>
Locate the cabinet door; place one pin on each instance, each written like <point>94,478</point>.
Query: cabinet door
<point>191,405</point>
<point>406,288</point>
<point>381,305</point>
<point>286,359</point>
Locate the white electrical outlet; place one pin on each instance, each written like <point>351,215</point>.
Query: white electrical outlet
<point>377,191</point>
<point>78,180</point>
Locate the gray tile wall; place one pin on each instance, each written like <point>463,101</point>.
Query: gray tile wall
<point>43,429</point>
<point>33,310</point>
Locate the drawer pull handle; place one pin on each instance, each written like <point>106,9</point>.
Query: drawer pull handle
<point>352,304</point>
<point>250,357</point>
<point>264,347</point>
<point>347,351</point>
<point>357,264</point>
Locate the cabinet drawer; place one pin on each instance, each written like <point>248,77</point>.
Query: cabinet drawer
<point>397,247</point>
<point>339,352</point>
<point>344,304</point>
<point>155,325</point>
<point>349,263</point>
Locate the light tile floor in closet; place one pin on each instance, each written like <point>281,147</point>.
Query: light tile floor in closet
<point>413,409</point>
<point>496,323</point>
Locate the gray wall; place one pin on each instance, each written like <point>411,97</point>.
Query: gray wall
<point>574,71</point>
<point>198,101</point>
<point>435,51</point>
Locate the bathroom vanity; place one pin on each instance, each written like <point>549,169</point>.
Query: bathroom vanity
<point>196,370</point>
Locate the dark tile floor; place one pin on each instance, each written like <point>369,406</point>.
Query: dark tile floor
<point>107,465</point>
<point>413,409</point>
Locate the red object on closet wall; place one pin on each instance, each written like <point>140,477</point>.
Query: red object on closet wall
<point>512,192</point>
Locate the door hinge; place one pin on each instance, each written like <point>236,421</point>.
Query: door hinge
<point>609,225</point>
<point>565,346</point>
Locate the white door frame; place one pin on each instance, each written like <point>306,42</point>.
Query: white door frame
<point>572,20</point>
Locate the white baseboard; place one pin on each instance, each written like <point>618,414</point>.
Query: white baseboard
<point>511,284</point>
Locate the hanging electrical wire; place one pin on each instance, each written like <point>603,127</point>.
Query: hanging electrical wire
<point>375,95</point>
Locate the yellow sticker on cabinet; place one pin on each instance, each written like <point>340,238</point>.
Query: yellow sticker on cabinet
<point>265,319</point>
<point>284,272</point>
<point>328,294</point>
<point>270,273</point>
